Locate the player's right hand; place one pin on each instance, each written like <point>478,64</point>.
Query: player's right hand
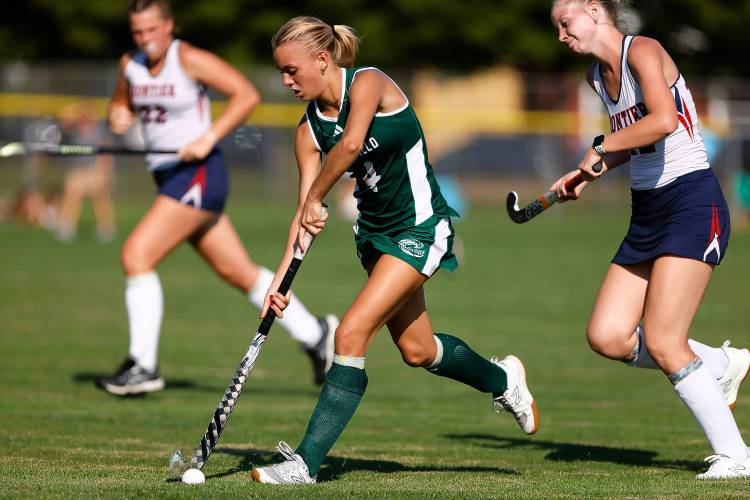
<point>120,119</point>
<point>564,194</point>
<point>312,220</point>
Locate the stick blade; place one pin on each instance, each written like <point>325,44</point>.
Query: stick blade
<point>13,149</point>
<point>514,212</point>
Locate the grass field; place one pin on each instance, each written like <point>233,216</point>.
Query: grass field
<point>606,430</point>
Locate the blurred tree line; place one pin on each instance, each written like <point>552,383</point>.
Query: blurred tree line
<point>705,37</point>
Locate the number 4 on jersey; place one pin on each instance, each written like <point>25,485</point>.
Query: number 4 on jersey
<point>371,178</point>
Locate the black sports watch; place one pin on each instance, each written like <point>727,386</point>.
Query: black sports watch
<point>597,145</point>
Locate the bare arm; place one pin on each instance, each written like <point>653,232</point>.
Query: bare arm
<point>119,116</point>
<point>308,164</point>
<point>365,96</point>
<point>217,74</point>
<point>647,63</point>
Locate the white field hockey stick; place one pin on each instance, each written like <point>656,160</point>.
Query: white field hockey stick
<point>177,463</point>
<point>542,203</point>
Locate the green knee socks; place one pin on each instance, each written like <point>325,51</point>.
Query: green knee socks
<point>460,362</point>
<point>341,394</point>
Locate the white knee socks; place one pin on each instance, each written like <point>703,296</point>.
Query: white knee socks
<point>702,395</point>
<point>145,305</point>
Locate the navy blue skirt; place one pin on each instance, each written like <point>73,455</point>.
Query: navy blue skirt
<point>201,184</point>
<point>687,217</point>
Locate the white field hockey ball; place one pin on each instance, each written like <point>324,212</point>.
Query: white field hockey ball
<point>193,476</point>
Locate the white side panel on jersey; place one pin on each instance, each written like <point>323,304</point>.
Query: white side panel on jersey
<point>420,186</point>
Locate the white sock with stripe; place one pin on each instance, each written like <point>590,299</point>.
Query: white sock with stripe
<point>702,395</point>
<point>145,305</point>
<point>297,320</point>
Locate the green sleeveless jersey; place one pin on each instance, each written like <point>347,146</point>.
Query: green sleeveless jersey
<point>396,187</point>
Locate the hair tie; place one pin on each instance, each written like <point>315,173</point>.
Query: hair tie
<point>333,30</point>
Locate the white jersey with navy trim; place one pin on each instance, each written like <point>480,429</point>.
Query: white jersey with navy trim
<point>173,108</point>
<point>681,152</point>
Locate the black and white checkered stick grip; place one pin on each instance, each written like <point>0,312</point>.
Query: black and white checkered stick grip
<point>234,390</point>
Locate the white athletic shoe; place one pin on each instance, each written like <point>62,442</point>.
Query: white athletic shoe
<point>291,471</point>
<point>724,467</point>
<point>736,371</point>
<point>516,399</point>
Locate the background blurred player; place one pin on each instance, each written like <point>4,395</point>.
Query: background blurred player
<point>679,227</point>
<point>364,124</point>
<point>90,176</point>
<point>164,82</point>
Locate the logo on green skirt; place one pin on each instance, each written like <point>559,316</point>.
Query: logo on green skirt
<point>412,247</point>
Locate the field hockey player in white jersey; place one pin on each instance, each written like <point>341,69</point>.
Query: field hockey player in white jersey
<point>164,83</point>
<point>679,228</point>
<point>364,125</point>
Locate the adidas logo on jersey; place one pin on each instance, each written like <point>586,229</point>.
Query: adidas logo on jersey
<point>338,130</point>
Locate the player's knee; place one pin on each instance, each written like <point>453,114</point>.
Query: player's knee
<point>350,340</point>
<point>608,341</point>
<point>134,258</point>
<point>415,355</point>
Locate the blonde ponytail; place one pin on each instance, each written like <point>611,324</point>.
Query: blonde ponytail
<point>340,41</point>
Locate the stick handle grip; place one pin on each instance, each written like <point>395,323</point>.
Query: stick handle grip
<point>286,281</point>
<point>573,181</point>
<point>577,179</point>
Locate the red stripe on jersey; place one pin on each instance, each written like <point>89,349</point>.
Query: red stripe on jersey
<point>686,119</point>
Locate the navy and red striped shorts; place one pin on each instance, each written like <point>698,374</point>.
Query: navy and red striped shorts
<point>202,184</point>
<point>687,217</point>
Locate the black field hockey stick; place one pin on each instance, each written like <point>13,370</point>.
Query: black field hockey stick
<point>247,138</point>
<point>542,203</point>
<point>26,148</point>
<point>177,462</point>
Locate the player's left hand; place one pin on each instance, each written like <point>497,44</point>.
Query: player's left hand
<point>275,301</point>
<point>586,165</point>
<point>198,149</point>
<point>312,220</point>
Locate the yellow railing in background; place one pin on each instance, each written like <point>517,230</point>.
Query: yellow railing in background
<point>288,115</point>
